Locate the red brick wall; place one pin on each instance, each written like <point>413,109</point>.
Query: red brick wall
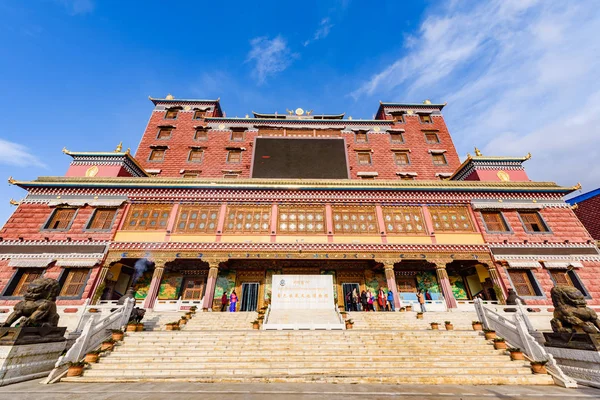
<point>215,155</point>
<point>28,220</point>
<point>562,223</point>
<point>588,211</point>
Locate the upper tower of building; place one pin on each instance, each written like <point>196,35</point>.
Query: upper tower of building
<point>194,138</point>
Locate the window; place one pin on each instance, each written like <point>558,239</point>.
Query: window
<point>198,114</point>
<point>494,222</point>
<point>360,137</point>
<point>164,133</point>
<point>399,118</point>
<point>425,118</point>
<point>197,219</point>
<point>190,175</point>
<point>396,137</point>
<point>244,219</point>
<point>102,219</point>
<point>195,155</point>
<point>172,113</point>
<point>355,220</point>
<point>74,282</point>
<point>404,220</point>
<point>237,136</point>
<point>201,134</point>
<point>523,282</point>
<point>563,277</point>
<point>451,219</point>
<point>231,176</point>
<point>407,178</point>
<point>157,155</point>
<point>532,222</point>
<point>293,219</point>
<point>401,158</point>
<point>234,156</point>
<point>61,218</point>
<point>23,278</point>
<point>147,217</point>
<point>193,289</point>
<point>364,158</point>
<point>439,159</point>
<point>431,137</point>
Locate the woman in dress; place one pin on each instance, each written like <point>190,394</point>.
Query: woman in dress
<point>381,299</point>
<point>364,301</point>
<point>232,301</point>
<point>370,300</point>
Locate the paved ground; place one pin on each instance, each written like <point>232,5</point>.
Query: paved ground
<point>175,391</point>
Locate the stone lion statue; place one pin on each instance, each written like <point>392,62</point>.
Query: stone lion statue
<point>571,313</point>
<point>39,307</point>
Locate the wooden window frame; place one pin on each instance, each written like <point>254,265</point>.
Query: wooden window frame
<point>573,279</point>
<point>262,210</point>
<point>437,137</point>
<point>230,152</point>
<point>150,208</point>
<point>204,137</point>
<point>364,153</point>
<point>231,176</point>
<point>171,110</point>
<point>361,134</point>
<point>530,282</point>
<point>363,210</point>
<point>155,151</point>
<point>422,118</point>
<point>405,153</point>
<point>406,177</point>
<point>17,284</point>
<point>416,217</point>
<point>168,129</point>
<point>499,220</point>
<point>184,216</point>
<point>66,279</point>
<point>195,152</point>
<point>200,291</point>
<point>196,111</point>
<point>97,211</point>
<point>399,118</point>
<point>437,213</point>
<point>301,211</point>
<point>233,138</point>
<point>433,160</point>
<point>392,141</point>
<point>541,222</point>
<point>54,214</point>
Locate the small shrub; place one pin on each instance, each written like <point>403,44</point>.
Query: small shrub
<point>513,349</point>
<point>489,331</point>
<point>77,364</point>
<point>499,339</point>
<point>542,362</point>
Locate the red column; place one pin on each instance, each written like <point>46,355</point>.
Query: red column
<point>444,283</point>
<point>211,282</point>
<point>390,276</point>
<point>159,268</point>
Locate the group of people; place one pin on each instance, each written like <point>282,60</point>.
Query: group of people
<point>368,302</point>
<point>230,300</point>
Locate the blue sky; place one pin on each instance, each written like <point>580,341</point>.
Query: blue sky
<point>518,75</point>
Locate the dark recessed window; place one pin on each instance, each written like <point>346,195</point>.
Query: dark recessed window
<point>407,178</point>
<point>234,156</point>
<point>198,114</point>
<point>523,282</point>
<point>401,158</point>
<point>396,137</point>
<point>532,221</point>
<point>201,134</point>
<point>74,282</point>
<point>231,176</point>
<point>19,284</point>
<point>157,155</point>
<point>432,137</point>
<point>164,133</point>
<point>361,137</point>
<point>195,155</point>
<point>61,218</point>
<point>439,159</point>
<point>364,158</point>
<point>425,118</point>
<point>172,113</point>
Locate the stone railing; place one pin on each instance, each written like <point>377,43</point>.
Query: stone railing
<point>176,305</point>
<point>516,331</point>
<point>92,335</point>
<point>267,314</point>
<point>469,305</point>
<point>430,305</point>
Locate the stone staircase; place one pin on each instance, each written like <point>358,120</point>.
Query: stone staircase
<point>408,320</point>
<point>222,347</point>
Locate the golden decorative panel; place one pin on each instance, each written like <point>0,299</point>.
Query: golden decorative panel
<point>248,219</point>
<point>301,220</point>
<point>355,220</point>
<point>197,219</point>
<point>451,219</point>
<point>404,221</point>
<point>147,217</point>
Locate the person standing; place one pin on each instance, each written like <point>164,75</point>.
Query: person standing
<point>381,299</point>
<point>370,300</point>
<point>232,301</point>
<point>427,295</point>
<point>390,300</point>
<point>421,300</point>
<point>354,299</point>
<point>224,301</point>
<point>364,301</point>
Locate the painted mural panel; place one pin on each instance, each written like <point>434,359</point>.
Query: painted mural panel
<point>142,285</point>
<point>225,284</point>
<point>374,281</point>
<point>458,287</point>
<point>170,286</point>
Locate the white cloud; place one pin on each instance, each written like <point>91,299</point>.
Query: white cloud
<point>270,56</point>
<point>518,76</point>
<point>76,7</point>
<point>322,31</point>
<point>18,155</point>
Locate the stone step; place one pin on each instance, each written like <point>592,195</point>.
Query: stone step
<point>425,379</point>
<point>485,352</point>
<point>323,346</point>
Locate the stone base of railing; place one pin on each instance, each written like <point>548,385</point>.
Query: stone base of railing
<point>581,365</point>
<point>19,363</point>
<point>575,341</point>
<point>31,335</point>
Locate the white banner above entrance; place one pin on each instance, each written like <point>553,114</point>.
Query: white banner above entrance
<point>302,292</point>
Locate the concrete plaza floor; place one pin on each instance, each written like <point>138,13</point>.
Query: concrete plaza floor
<point>175,391</point>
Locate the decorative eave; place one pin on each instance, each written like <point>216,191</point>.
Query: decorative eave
<point>475,161</point>
<point>414,106</point>
<point>170,101</point>
<point>296,120</point>
<point>296,184</point>
<point>300,117</point>
<point>583,197</point>
<point>108,156</point>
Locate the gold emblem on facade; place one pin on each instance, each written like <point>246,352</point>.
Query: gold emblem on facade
<point>91,171</point>
<point>221,127</point>
<point>376,129</point>
<point>187,108</point>
<point>299,111</point>
<point>503,175</point>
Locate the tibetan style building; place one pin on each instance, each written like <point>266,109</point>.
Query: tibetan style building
<point>211,203</point>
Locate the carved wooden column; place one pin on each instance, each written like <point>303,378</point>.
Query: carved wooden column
<point>444,282</point>
<point>496,280</point>
<point>159,269</point>
<point>390,276</point>
<point>211,282</point>
<point>99,281</point>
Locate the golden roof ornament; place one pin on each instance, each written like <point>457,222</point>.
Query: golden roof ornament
<point>574,206</point>
<point>14,202</point>
<point>119,147</point>
<point>11,181</point>
<point>128,151</point>
<point>64,150</point>
<point>477,152</point>
<point>577,187</point>
<point>309,112</point>
<point>469,156</point>
<point>427,101</point>
<point>528,156</point>
<point>290,112</point>
<point>169,97</point>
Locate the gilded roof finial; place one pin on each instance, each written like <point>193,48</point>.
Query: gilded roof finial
<point>427,101</point>
<point>350,118</point>
<point>64,150</point>
<point>247,116</point>
<point>577,187</point>
<point>14,202</point>
<point>574,206</point>
<point>128,151</point>
<point>528,156</point>
<point>11,180</point>
<point>169,97</point>
<point>477,152</point>
<point>469,156</point>
<point>119,147</point>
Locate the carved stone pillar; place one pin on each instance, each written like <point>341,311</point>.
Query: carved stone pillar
<point>159,269</point>
<point>496,280</point>
<point>444,282</point>
<point>211,282</point>
<point>391,282</point>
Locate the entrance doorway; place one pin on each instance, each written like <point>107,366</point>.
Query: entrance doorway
<point>347,289</point>
<point>249,296</point>
<point>193,288</point>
